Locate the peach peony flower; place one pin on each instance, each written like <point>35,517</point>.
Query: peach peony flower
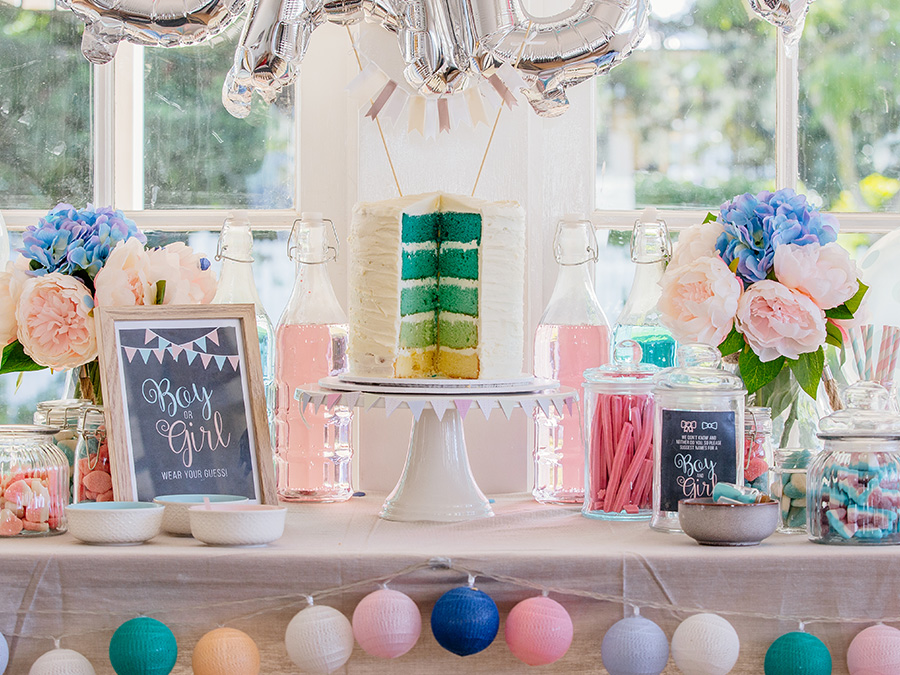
<point>697,241</point>
<point>7,308</point>
<point>56,325</point>
<point>21,272</point>
<point>123,281</point>
<point>823,273</point>
<point>777,321</point>
<point>188,276</point>
<point>699,300</point>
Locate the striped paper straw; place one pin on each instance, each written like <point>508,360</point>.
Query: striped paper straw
<point>882,368</point>
<point>895,346</point>
<point>855,337</point>
<point>868,333</point>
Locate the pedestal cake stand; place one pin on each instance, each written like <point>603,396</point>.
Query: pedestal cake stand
<point>437,482</point>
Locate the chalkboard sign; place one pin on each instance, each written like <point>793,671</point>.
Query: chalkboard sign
<point>184,402</point>
<point>697,450</point>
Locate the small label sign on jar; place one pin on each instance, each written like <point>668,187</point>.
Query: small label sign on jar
<point>697,451</point>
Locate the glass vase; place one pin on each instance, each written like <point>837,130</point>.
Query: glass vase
<point>795,414</point>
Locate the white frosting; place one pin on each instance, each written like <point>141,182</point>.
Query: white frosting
<point>415,246</point>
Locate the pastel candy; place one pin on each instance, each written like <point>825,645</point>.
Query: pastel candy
<point>728,493</point>
<point>797,518</point>
<point>10,525</point>
<point>755,468</point>
<point>798,482</point>
<point>19,493</point>
<point>844,530</point>
<point>791,490</point>
<point>777,489</point>
<point>97,482</point>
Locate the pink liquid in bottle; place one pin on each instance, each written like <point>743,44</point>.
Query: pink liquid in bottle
<point>312,456</point>
<point>563,353</point>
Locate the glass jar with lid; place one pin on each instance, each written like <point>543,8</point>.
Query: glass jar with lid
<point>758,451</point>
<point>63,414</point>
<point>698,437</point>
<point>789,486</point>
<point>618,432</point>
<point>93,476</point>
<point>853,485</point>
<point>34,482</point>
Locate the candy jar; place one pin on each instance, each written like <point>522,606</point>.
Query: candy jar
<point>313,450</point>
<point>618,428</point>
<point>34,482</point>
<point>698,435</point>
<point>572,336</point>
<point>789,486</point>
<point>853,485</point>
<point>63,414</point>
<point>93,477</point>
<point>651,249</point>
<point>758,456</point>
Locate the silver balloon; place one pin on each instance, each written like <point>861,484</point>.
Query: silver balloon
<point>588,39</point>
<point>155,23</point>
<point>788,15</point>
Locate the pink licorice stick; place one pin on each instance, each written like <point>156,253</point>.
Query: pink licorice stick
<point>616,473</point>
<point>595,456</point>
<point>641,452</point>
<point>605,440</point>
<point>641,490</point>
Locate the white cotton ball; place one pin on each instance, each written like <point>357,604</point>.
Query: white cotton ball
<point>4,654</point>
<point>62,662</point>
<point>705,644</point>
<point>319,639</point>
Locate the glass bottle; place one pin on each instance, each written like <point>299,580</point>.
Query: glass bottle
<point>93,472</point>
<point>651,249</point>
<point>313,451</point>
<point>237,285</point>
<point>698,433</point>
<point>572,336</point>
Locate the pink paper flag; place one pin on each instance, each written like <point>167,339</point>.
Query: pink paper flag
<point>148,336</point>
<point>206,358</point>
<point>331,399</point>
<point>214,337</point>
<point>462,406</point>
<point>570,400</point>
<point>176,351</point>
<point>234,360</point>
<point>158,353</point>
<point>129,352</point>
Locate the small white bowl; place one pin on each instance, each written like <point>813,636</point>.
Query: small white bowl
<point>176,519</point>
<point>237,524</point>
<point>114,522</point>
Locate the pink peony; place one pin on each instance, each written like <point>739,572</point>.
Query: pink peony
<point>777,321</point>
<point>189,279</point>
<point>7,308</point>
<point>21,272</point>
<point>124,281</point>
<point>823,273</point>
<point>697,241</point>
<point>56,324</point>
<point>699,300</point>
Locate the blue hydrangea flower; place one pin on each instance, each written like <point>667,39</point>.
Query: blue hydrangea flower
<point>754,226</point>
<point>68,240</point>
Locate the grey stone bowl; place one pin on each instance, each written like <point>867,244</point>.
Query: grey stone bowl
<point>714,524</point>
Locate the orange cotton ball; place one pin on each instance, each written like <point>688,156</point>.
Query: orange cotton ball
<point>226,651</point>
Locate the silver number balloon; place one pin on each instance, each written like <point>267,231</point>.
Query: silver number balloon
<point>788,15</point>
<point>163,23</point>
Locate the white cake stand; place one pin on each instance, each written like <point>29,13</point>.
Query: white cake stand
<point>437,482</point>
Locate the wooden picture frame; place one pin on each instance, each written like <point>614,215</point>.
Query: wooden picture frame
<point>184,402</point>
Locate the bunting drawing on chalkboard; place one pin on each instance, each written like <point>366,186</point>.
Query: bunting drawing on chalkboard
<point>190,349</point>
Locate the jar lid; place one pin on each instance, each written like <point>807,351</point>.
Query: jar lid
<point>61,412</point>
<point>91,418</point>
<point>867,414</point>
<point>26,430</point>
<point>625,369</point>
<point>757,420</point>
<point>699,371</point>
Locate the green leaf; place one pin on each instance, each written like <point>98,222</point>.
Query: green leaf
<point>779,393</point>
<point>854,302</point>
<point>755,373</point>
<point>833,335</point>
<point>808,370</point>
<point>733,343</point>
<point>840,312</point>
<point>160,292</point>
<point>710,218</point>
<point>15,360</point>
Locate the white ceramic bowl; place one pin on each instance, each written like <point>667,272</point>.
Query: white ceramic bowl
<point>114,522</point>
<point>175,517</point>
<point>237,524</point>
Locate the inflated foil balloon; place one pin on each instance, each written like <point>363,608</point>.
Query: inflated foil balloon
<point>539,631</point>
<point>143,646</point>
<point>465,621</point>
<point>319,639</point>
<point>788,15</point>
<point>225,651</point>
<point>705,644</point>
<point>387,623</point>
<point>875,651</point>
<point>798,654</point>
<point>634,646</point>
<point>62,662</point>
<point>4,654</point>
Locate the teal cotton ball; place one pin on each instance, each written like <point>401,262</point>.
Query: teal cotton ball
<point>143,646</point>
<point>798,654</point>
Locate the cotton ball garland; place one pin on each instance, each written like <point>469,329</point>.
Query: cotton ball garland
<point>635,646</point>
<point>387,623</point>
<point>465,621</point>
<point>143,646</point>
<point>539,631</point>
<point>319,639</point>
<point>62,662</point>
<point>4,654</point>
<point>705,644</point>
<point>225,651</point>
<point>875,651</point>
<point>798,654</point>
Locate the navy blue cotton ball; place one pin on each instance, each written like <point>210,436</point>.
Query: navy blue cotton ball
<point>465,621</point>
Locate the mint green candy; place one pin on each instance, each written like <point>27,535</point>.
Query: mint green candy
<point>798,654</point>
<point>143,646</point>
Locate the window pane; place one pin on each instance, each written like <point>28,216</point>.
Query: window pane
<point>850,104</point>
<point>45,110</point>
<point>199,156</point>
<point>689,119</point>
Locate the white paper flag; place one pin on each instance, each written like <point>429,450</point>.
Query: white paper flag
<point>441,405</point>
<point>417,405</point>
<point>486,404</point>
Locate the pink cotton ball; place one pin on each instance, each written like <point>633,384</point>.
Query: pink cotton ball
<point>875,651</point>
<point>539,631</point>
<point>387,623</point>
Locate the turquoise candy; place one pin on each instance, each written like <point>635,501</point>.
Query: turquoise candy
<point>143,646</point>
<point>790,490</point>
<point>797,518</point>
<point>761,483</point>
<point>798,654</point>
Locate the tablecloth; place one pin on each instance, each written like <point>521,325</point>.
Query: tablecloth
<point>57,587</point>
